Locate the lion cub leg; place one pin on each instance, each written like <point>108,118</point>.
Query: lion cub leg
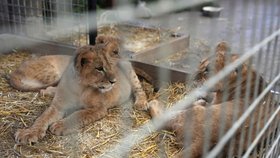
<point>77,120</point>
<point>178,124</point>
<point>138,92</point>
<point>50,91</point>
<point>155,108</point>
<point>140,95</point>
<point>38,129</point>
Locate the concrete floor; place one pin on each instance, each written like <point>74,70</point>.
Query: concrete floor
<point>242,23</point>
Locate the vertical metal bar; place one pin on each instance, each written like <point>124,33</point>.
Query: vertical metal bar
<point>231,15</point>
<point>209,114</point>
<point>237,102</point>
<point>45,11</point>
<point>274,68</point>
<point>16,16</point>
<point>109,4</point>
<point>263,114</point>
<point>86,27</point>
<point>248,92</point>
<point>189,22</point>
<point>263,20</point>
<point>274,150</point>
<point>254,23</point>
<point>188,135</point>
<point>257,81</point>
<point>19,17</point>
<point>271,133</point>
<point>7,16</point>
<point>247,101</point>
<point>31,11</point>
<point>51,10</point>
<point>92,21</point>
<point>11,15</point>
<point>25,11</point>
<point>208,119</point>
<point>275,100</point>
<point>238,90</point>
<point>272,9</point>
<point>71,5</point>
<point>262,131</point>
<point>225,97</point>
<point>266,116</point>
<point>2,20</point>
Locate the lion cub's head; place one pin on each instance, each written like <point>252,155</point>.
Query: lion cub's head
<point>97,66</point>
<point>212,65</point>
<point>113,44</point>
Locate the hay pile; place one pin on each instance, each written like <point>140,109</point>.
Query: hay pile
<point>136,38</point>
<point>20,109</point>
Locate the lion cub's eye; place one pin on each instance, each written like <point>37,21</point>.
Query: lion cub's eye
<point>99,68</point>
<point>116,52</point>
<point>84,61</point>
<point>206,71</point>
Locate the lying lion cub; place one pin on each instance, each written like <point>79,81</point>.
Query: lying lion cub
<point>94,80</point>
<point>45,72</point>
<point>195,120</point>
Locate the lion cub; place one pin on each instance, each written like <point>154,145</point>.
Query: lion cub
<point>38,74</point>
<point>94,81</point>
<point>43,73</point>
<point>195,120</point>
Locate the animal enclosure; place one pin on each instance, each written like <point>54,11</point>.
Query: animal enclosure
<point>223,98</point>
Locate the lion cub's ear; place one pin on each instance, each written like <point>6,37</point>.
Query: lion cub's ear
<point>222,50</point>
<point>222,47</point>
<point>113,44</point>
<point>81,62</point>
<point>84,61</point>
<point>82,57</point>
<point>100,39</point>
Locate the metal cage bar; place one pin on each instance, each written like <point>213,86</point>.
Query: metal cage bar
<point>254,127</point>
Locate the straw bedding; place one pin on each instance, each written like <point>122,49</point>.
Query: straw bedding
<point>137,38</point>
<point>20,109</point>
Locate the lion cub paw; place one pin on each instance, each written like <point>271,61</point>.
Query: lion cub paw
<point>29,135</point>
<point>200,102</point>
<point>155,108</point>
<point>141,104</point>
<point>50,91</point>
<point>60,128</point>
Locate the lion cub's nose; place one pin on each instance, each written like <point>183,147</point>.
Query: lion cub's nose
<point>112,81</point>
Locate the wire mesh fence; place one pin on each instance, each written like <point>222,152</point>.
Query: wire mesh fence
<point>37,19</point>
<point>232,108</point>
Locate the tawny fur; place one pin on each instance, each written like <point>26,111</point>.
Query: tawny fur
<point>195,120</point>
<point>211,66</point>
<point>39,73</point>
<point>93,82</point>
<point>43,73</point>
<point>46,71</point>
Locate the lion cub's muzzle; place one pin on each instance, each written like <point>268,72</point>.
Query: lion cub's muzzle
<point>107,86</point>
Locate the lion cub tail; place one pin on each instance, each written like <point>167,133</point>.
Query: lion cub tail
<point>20,81</point>
<point>17,80</point>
